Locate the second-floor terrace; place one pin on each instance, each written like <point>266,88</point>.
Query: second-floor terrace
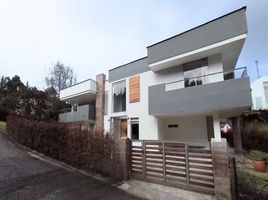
<point>225,92</point>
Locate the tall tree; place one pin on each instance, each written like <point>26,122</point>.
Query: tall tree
<point>60,77</point>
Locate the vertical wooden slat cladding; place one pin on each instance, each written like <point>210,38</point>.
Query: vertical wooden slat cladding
<point>134,89</point>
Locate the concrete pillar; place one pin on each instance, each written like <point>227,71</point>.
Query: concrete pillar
<point>124,153</point>
<point>217,128</point>
<point>237,135</point>
<point>100,100</point>
<point>221,169</point>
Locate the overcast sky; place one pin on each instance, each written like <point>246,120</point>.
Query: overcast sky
<point>95,36</point>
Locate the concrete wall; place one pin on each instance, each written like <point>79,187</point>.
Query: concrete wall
<point>190,129</point>
<point>220,29</point>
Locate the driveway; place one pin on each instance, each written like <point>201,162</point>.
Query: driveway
<point>23,177</point>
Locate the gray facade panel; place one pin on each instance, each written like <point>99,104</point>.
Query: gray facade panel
<point>130,69</point>
<point>83,113</point>
<point>223,28</point>
<point>203,98</point>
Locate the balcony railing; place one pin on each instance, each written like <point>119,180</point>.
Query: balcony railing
<point>82,113</point>
<point>208,78</point>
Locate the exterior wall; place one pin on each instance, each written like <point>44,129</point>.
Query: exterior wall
<point>225,27</point>
<point>258,93</point>
<point>215,66</point>
<point>149,126</point>
<point>190,129</point>
<point>79,88</point>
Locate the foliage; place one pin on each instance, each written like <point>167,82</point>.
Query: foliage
<point>257,155</point>
<point>81,149</point>
<point>255,135</point>
<point>2,125</point>
<point>15,97</point>
<point>251,187</point>
<point>60,77</point>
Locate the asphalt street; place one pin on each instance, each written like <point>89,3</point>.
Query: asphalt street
<point>23,177</point>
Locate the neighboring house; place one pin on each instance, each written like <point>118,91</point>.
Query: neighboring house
<point>179,91</point>
<point>260,93</point>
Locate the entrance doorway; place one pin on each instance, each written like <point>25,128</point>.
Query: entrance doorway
<point>135,128</point>
<point>123,128</point>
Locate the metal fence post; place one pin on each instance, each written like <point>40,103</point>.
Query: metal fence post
<point>143,159</point>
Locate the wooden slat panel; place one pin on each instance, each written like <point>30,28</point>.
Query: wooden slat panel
<point>134,89</point>
<point>152,161</point>
<point>200,155</point>
<point>175,164</point>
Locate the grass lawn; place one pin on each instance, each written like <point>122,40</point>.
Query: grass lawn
<point>2,126</point>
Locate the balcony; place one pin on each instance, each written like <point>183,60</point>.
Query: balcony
<point>200,95</point>
<point>83,113</point>
<point>80,93</point>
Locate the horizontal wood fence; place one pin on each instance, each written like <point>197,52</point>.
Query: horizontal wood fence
<point>173,163</point>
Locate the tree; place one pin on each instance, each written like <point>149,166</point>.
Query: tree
<point>60,77</point>
<point>15,97</point>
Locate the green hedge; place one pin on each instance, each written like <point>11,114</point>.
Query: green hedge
<point>81,149</point>
<point>250,187</point>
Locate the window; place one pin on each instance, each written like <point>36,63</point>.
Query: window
<point>135,128</point>
<point>119,96</point>
<point>194,73</point>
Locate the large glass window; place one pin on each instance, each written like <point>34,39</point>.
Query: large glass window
<point>194,73</point>
<point>119,96</point>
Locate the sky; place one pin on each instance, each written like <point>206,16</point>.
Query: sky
<point>95,36</point>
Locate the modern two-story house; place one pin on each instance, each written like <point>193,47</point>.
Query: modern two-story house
<point>180,91</point>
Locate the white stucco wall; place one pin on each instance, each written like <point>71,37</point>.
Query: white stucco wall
<point>150,126</point>
<point>190,129</point>
<point>258,93</point>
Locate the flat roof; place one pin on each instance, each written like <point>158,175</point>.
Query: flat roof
<point>243,8</point>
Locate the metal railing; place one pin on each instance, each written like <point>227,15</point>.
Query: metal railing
<point>204,79</point>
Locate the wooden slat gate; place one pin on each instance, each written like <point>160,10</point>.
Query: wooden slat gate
<point>173,163</point>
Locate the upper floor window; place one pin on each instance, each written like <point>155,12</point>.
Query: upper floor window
<point>119,96</point>
<point>194,73</point>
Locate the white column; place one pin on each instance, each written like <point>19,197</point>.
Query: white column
<point>217,128</point>
<point>129,128</point>
<point>72,108</point>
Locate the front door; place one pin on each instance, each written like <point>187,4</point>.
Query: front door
<point>123,128</point>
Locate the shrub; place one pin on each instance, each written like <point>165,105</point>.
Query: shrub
<point>257,155</point>
<point>251,187</point>
<point>255,136</point>
<point>81,149</point>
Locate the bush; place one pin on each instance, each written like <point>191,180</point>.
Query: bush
<point>251,187</point>
<point>255,136</point>
<point>257,155</point>
<point>81,149</point>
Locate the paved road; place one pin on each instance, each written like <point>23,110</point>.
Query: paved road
<point>22,177</point>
